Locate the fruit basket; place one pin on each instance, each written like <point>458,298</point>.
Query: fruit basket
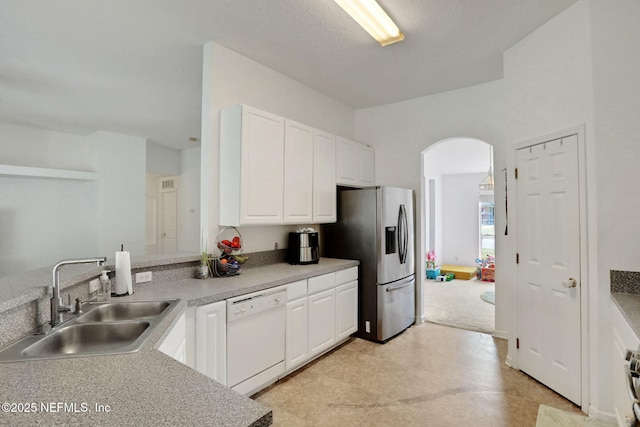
<point>228,263</point>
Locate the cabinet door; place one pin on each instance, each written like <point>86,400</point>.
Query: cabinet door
<point>623,339</point>
<point>346,310</point>
<point>211,341</point>
<point>296,338</point>
<point>324,178</point>
<point>262,168</point>
<point>175,343</point>
<point>366,169</point>
<point>346,161</point>
<point>322,321</point>
<point>298,173</point>
<point>355,163</point>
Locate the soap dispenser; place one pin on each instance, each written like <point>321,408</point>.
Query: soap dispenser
<point>105,287</point>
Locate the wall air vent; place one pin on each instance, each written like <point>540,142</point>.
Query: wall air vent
<point>168,184</point>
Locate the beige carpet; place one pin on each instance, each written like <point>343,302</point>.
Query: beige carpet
<point>457,303</point>
<point>552,417</point>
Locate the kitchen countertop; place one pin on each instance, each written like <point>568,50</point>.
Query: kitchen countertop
<point>629,305</point>
<point>29,286</point>
<point>146,387</point>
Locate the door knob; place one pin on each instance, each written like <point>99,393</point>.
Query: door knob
<point>571,283</point>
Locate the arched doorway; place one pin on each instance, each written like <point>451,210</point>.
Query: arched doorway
<point>458,197</point>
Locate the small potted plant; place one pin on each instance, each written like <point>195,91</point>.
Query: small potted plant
<point>203,269</point>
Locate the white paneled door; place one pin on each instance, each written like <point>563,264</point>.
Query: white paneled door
<point>168,216</point>
<point>548,246</point>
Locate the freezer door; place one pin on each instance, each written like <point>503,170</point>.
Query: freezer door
<point>396,307</point>
<point>395,228</point>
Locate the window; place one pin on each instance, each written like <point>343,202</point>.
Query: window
<point>487,229</point>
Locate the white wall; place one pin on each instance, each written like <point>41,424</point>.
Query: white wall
<point>35,147</point>
<point>616,83</point>
<point>185,167</point>
<point>162,160</point>
<point>581,69</point>
<point>189,201</point>
<point>120,211</point>
<point>461,226</point>
<point>45,220</point>
<point>400,132</point>
<point>229,79</point>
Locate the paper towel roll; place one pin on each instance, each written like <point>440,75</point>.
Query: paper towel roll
<point>124,285</point>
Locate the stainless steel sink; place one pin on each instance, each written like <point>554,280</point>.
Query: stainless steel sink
<point>115,311</point>
<point>87,338</point>
<point>105,328</point>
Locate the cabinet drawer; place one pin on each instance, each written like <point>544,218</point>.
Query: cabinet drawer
<point>346,276</point>
<point>296,290</point>
<point>321,283</point>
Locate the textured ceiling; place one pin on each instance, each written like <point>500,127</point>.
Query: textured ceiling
<point>135,66</point>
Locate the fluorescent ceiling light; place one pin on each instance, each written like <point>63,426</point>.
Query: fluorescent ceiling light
<point>372,18</point>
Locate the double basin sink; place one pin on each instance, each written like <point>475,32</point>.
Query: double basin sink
<point>105,328</point>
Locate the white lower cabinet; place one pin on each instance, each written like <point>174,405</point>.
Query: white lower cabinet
<point>321,312</point>
<point>175,343</point>
<point>346,310</point>
<point>320,315</point>
<point>296,351</point>
<point>623,338</point>
<point>211,340</point>
<point>322,321</point>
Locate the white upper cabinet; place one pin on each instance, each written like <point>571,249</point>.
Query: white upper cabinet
<point>251,167</point>
<point>324,178</point>
<point>277,171</point>
<point>355,163</point>
<point>366,168</point>
<point>298,173</point>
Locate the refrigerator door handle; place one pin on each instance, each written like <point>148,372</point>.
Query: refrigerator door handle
<point>403,234</point>
<point>389,289</point>
<point>406,233</point>
<point>400,234</point>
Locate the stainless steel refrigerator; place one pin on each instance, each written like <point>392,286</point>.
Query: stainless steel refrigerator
<point>375,226</point>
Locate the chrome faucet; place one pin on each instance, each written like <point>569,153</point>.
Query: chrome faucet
<point>58,307</point>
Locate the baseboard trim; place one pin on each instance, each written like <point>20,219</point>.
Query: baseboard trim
<point>602,415</point>
<point>508,361</point>
<point>501,334</point>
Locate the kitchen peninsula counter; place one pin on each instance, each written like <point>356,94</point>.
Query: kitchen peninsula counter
<point>629,306</point>
<point>146,387</point>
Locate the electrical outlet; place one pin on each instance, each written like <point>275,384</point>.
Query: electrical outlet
<point>143,277</point>
<point>367,326</point>
<point>94,286</point>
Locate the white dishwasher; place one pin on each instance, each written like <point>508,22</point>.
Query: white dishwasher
<point>256,339</point>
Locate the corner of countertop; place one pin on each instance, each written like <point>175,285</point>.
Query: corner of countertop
<point>624,282</point>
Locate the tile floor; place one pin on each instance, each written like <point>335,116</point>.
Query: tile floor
<point>430,375</point>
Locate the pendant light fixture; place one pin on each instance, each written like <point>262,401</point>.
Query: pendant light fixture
<point>487,183</point>
<point>373,19</point>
